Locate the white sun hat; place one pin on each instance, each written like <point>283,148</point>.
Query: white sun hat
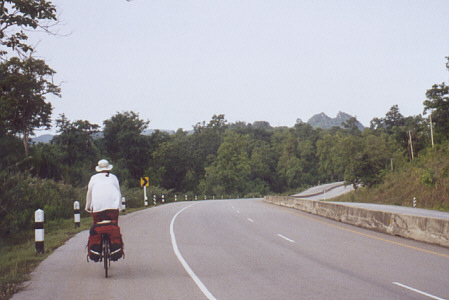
<point>103,165</point>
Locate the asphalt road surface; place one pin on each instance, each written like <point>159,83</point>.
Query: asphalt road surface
<point>328,191</point>
<point>244,249</point>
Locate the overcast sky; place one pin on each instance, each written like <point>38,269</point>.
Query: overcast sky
<point>177,63</point>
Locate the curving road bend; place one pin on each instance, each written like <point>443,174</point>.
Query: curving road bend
<point>245,249</point>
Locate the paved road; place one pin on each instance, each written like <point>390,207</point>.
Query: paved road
<point>337,188</point>
<point>325,191</point>
<point>245,249</point>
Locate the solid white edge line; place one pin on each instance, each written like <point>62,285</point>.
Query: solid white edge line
<point>418,291</point>
<point>286,238</point>
<point>195,278</point>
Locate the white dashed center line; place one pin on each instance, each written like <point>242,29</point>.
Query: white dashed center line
<point>286,238</point>
<point>417,291</point>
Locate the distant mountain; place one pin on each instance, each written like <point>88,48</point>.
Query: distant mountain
<point>46,138</point>
<point>323,121</point>
<point>151,131</point>
<point>319,120</point>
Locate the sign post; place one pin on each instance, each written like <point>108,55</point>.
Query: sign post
<point>144,182</point>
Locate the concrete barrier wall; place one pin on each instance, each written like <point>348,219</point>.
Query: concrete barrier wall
<point>429,230</point>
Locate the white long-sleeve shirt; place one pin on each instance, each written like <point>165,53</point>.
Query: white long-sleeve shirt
<point>103,193</point>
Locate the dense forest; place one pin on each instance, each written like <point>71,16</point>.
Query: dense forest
<point>217,158</point>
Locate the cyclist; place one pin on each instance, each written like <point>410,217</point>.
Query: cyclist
<point>103,198</point>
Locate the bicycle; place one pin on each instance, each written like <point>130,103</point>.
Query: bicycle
<point>105,244</point>
<point>105,252</point>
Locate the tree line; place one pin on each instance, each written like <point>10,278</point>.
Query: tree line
<point>219,158</point>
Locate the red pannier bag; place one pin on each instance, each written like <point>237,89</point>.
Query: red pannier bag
<point>116,246</point>
<point>94,247</point>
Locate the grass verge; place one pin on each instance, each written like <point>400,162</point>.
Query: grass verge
<point>19,258</point>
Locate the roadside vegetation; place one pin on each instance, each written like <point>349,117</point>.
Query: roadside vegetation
<point>426,178</point>
<point>18,257</point>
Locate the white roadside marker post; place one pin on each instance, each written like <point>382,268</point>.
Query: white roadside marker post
<point>145,195</point>
<point>39,230</point>
<point>76,214</point>
<point>123,204</point>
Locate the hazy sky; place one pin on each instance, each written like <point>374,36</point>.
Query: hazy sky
<point>177,63</point>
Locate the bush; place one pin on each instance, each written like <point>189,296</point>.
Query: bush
<point>21,195</point>
<point>428,178</point>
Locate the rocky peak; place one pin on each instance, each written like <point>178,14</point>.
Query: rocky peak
<point>321,120</point>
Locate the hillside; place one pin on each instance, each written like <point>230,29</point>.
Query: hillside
<point>426,178</point>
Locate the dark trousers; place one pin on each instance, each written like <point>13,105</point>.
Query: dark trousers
<point>108,214</point>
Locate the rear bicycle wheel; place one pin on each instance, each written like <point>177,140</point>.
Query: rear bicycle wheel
<point>106,255</point>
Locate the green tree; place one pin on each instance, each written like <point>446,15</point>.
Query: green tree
<point>290,168</point>
<point>365,158</point>
<point>393,118</point>
<point>47,162</point>
<point>20,16</point>
<point>24,86</point>
<point>232,165</point>
<point>350,150</point>
<point>438,104</point>
<point>172,163</point>
<point>351,126</point>
<point>330,163</point>
<point>76,145</point>
<point>263,164</point>
<point>11,151</point>
<point>125,144</point>
<point>205,141</point>
<point>306,151</point>
<point>376,157</point>
<point>400,129</point>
